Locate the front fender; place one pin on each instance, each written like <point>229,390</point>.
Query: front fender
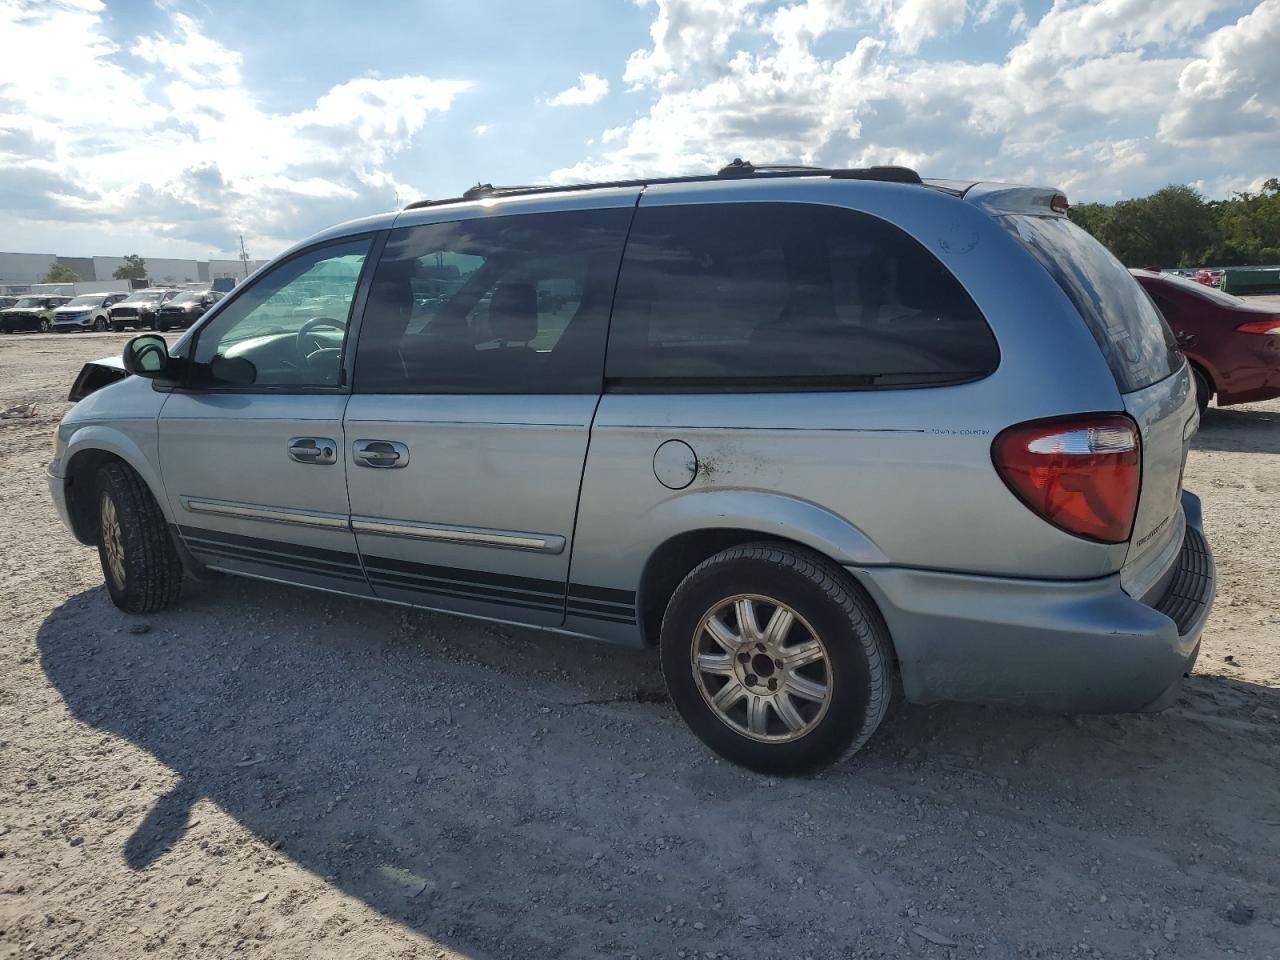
<point>134,442</point>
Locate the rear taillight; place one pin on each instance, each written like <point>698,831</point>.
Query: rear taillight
<point>1271,327</point>
<point>1082,474</point>
<point>1058,203</point>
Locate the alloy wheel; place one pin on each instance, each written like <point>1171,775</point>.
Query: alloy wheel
<point>112,540</point>
<point>762,669</point>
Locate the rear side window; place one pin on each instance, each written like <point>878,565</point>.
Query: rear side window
<point>788,295</point>
<point>515,304</point>
<point>1135,339</point>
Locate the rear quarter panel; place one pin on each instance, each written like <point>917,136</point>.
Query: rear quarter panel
<point>909,470</point>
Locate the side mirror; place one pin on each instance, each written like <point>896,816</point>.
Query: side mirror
<point>147,356</point>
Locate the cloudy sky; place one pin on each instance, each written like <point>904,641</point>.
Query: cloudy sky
<point>169,127</point>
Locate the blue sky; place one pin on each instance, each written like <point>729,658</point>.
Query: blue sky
<point>170,127</point>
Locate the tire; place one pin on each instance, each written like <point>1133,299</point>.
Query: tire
<point>117,328</point>
<point>100,325</point>
<point>139,562</point>
<point>832,615</point>
<point>1203,390</point>
<point>160,327</point>
<point>44,325</point>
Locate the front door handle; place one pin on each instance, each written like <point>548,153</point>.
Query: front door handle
<point>385,454</point>
<point>313,450</point>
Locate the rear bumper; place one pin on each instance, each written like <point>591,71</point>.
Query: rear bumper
<point>1078,646</point>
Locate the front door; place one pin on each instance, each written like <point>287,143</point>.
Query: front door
<point>252,448</point>
<point>476,379</point>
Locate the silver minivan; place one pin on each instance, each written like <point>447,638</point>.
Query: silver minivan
<point>810,433</point>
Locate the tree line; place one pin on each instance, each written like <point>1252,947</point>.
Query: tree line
<point>1177,227</point>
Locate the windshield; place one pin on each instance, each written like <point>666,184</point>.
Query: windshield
<point>30,302</point>
<point>144,297</point>
<point>88,301</point>
<point>187,298</point>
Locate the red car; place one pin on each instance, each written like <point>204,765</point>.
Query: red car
<point>1210,278</point>
<point>1233,344</point>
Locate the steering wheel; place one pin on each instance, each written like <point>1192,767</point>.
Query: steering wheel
<point>317,346</point>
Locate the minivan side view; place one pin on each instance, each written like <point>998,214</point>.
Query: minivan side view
<point>815,435</point>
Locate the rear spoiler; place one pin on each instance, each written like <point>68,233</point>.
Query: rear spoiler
<point>95,375</point>
<point>1006,198</point>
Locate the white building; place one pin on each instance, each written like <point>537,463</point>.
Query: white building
<point>231,268</point>
<point>159,269</point>
<point>25,268</point>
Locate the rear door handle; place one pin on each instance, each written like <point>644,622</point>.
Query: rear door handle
<point>313,450</point>
<point>384,454</point>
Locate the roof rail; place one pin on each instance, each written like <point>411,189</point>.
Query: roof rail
<point>738,169</point>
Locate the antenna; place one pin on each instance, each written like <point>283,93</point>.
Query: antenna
<point>244,257</point>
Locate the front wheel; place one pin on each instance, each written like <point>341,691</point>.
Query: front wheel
<point>775,658</point>
<point>139,562</point>
<point>44,325</point>
<point>100,325</point>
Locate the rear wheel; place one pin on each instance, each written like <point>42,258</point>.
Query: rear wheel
<point>775,658</point>
<point>1203,390</point>
<point>139,562</point>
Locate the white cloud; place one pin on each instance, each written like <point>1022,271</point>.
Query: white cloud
<point>591,88</point>
<point>1077,100</point>
<point>1229,90</point>
<point>689,38</point>
<point>200,158</point>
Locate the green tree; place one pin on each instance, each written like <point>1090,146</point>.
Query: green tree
<point>1172,227</point>
<point>1176,226</point>
<point>60,273</point>
<point>1249,224</point>
<point>133,268</point>
<point>1093,217</point>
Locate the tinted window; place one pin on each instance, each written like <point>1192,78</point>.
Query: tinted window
<point>515,304</point>
<point>1139,346</point>
<point>803,294</point>
<point>287,329</point>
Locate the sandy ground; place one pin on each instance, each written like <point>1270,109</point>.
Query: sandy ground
<point>268,772</point>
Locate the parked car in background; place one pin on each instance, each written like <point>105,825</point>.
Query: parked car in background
<point>30,313</point>
<point>1210,278</point>
<point>1233,344</point>
<point>807,413</point>
<point>184,309</point>
<point>7,301</point>
<point>139,309</point>
<point>89,311</point>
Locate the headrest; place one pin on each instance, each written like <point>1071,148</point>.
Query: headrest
<point>513,312</point>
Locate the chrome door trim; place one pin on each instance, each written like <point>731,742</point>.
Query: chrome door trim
<point>253,511</point>
<point>448,533</point>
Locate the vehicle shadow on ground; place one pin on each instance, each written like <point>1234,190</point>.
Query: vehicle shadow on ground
<point>1235,430</point>
<point>502,791</point>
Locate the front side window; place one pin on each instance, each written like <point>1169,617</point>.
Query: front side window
<point>511,304</point>
<point>753,295</point>
<point>288,329</point>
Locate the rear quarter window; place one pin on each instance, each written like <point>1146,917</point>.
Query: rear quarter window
<point>788,295</point>
<point>1134,338</point>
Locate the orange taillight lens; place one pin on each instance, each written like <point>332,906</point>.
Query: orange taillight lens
<point>1082,474</point>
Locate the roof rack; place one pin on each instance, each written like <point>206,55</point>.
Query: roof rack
<point>738,169</point>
